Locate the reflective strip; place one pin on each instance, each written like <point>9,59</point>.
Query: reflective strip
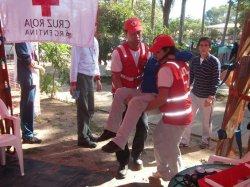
<point>143,49</point>
<point>180,98</point>
<point>176,65</point>
<point>130,78</point>
<point>123,51</point>
<point>179,113</point>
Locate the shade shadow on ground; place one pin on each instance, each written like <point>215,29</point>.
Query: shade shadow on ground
<point>40,173</point>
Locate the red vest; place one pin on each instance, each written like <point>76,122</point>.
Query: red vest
<point>177,109</point>
<point>131,75</point>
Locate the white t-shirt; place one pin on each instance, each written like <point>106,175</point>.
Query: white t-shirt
<point>116,64</point>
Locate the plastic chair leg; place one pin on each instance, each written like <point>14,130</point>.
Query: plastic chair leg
<point>20,157</point>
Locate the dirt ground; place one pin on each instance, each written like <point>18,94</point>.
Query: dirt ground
<point>56,126</point>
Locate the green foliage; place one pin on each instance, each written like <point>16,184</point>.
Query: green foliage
<point>49,85</point>
<point>110,23</point>
<point>244,9</point>
<point>218,15</point>
<point>111,17</point>
<point>192,29</point>
<point>214,34</point>
<point>142,10</point>
<point>58,55</point>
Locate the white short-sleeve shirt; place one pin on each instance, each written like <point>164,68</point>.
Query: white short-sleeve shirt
<point>116,64</point>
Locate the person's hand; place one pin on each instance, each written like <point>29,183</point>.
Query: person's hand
<point>34,63</point>
<point>126,101</point>
<point>98,85</point>
<point>209,101</point>
<point>72,88</point>
<point>42,69</point>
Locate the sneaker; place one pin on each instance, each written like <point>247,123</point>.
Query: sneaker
<point>33,140</point>
<point>93,138</point>
<point>204,145</point>
<point>35,133</point>
<point>138,163</point>
<point>122,172</point>
<point>87,144</point>
<point>106,135</point>
<point>183,145</point>
<point>158,176</point>
<point>111,147</point>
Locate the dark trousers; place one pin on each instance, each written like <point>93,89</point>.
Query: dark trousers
<point>85,105</point>
<point>138,141</point>
<point>27,110</point>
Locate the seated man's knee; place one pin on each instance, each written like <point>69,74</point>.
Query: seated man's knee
<point>134,101</point>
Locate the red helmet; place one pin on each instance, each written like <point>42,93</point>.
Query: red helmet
<point>132,25</point>
<point>161,41</point>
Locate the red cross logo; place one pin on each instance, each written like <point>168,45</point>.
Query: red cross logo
<point>45,4</point>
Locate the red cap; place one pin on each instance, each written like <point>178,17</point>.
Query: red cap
<point>161,41</point>
<point>132,25</point>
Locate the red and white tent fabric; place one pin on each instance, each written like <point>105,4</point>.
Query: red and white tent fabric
<point>62,21</point>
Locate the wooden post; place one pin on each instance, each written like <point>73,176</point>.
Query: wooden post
<point>238,93</point>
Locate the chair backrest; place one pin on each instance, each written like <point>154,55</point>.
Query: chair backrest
<point>3,109</point>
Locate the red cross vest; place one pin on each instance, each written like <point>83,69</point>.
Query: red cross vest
<point>177,109</point>
<point>131,75</point>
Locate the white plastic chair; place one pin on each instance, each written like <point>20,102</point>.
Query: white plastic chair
<point>11,139</point>
<point>226,160</point>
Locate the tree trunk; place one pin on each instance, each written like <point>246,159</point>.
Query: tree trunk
<point>227,20</point>
<point>166,12</point>
<point>153,16</point>
<point>181,29</point>
<point>203,17</point>
<point>133,4</point>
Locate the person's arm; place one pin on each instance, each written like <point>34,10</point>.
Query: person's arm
<point>116,68</point>
<point>159,100</point>
<point>215,82</point>
<point>75,58</point>
<point>215,77</point>
<point>116,80</point>
<point>191,72</point>
<point>22,54</point>
<point>164,82</point>
<point>37,66</point>
<point>97,68</point>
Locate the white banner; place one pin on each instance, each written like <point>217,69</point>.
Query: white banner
<point>62,21</point>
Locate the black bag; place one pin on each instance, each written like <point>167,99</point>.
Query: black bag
<point>191,179</point>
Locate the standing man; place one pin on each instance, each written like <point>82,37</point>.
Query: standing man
<point>127,65</point>
<point>84,70</point>
<point>26,79</point>
<point>205,78</point>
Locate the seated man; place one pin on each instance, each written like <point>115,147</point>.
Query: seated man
<point>137,101</point>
